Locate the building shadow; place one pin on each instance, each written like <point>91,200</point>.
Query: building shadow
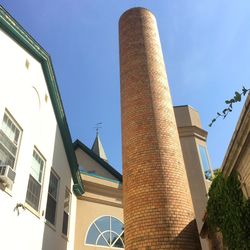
<point>53,238</point>
<point>189,232</point>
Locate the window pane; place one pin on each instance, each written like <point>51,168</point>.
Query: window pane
<point>204,159</point>
<point>16,136</point>
<point>51,210</point>
<point>122,237</point>
<point>205,163</point>
<point>66,200</point>
<point>12,148</point>
<point>52,198</point>
<point>53,185</point>
<point>5,157</point>
<point>67,197</point>
<point>106,235</point>
<point>93,233</point>
<point>9,135</point>
<point>8,128</point>
<point>33,193</point>
<point>118,244</point>
<point>116,226</point>
<point>102,242</point>
<point>114,237</point>
<point>65,223</point>
<point>37,167</point>
<point>103,223</point>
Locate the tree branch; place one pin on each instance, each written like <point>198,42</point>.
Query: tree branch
<point>230,102</point>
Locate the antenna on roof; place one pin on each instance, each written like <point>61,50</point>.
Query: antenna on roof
<point>97,127</point>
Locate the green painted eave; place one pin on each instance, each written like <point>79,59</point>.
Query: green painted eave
<point>78,144</point>
<point>9,25</point>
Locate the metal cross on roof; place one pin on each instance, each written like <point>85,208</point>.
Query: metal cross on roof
<point>98,126</point>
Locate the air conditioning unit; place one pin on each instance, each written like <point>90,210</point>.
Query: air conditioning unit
<point>7,175</point>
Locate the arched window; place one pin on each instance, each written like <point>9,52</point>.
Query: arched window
<point>106,231</point>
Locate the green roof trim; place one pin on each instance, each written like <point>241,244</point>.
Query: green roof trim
<point>104,164</point>
<point>17,33</point>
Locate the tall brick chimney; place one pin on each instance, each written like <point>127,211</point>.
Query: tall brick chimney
<point>158,212</point>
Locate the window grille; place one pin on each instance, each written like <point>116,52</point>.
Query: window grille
<point>52,198</point>
<point>106,231</point>
<point>10,134</point>
<point>66,211</point>
<point>35,180</point>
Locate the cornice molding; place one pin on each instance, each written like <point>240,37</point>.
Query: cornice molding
<point>102,191</point>
<point>192,131</point>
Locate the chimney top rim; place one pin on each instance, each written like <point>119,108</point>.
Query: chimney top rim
<point>135,9</point>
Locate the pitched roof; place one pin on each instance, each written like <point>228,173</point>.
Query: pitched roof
<point>21,36</point>
<point>103,163</point>
<point>98,149</point>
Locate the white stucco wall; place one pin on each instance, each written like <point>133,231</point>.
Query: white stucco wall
<point>23,93</point>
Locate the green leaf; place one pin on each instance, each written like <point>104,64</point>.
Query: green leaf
<point>226,211</point>
<point>237,97</point>
<point>244,91</point>
<point>224,111</point>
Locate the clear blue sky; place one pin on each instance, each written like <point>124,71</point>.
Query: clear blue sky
<point>206,46</point>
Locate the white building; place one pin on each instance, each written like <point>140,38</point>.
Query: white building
<point>40,182</point>
<point>35,148</point>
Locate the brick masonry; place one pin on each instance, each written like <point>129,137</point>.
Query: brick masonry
<point>158,212</point>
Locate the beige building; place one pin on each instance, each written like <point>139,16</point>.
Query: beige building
<point>238,153</point>
<point>196,158</point>
<point>237,159</point>
<point>100,210</point>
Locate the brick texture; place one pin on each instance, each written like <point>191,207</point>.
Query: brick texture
<point>158,212</point>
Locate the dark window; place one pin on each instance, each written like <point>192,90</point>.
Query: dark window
<point>65,223</point>
<point>33,193</point>
<point>52,198</point>
<point>66,212</point>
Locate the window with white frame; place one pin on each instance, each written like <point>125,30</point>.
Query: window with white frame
<point>106,231</point>
<point>33,194</point>
<point>52,198</point>
<point>10,134</point>
<point>66,212</point>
